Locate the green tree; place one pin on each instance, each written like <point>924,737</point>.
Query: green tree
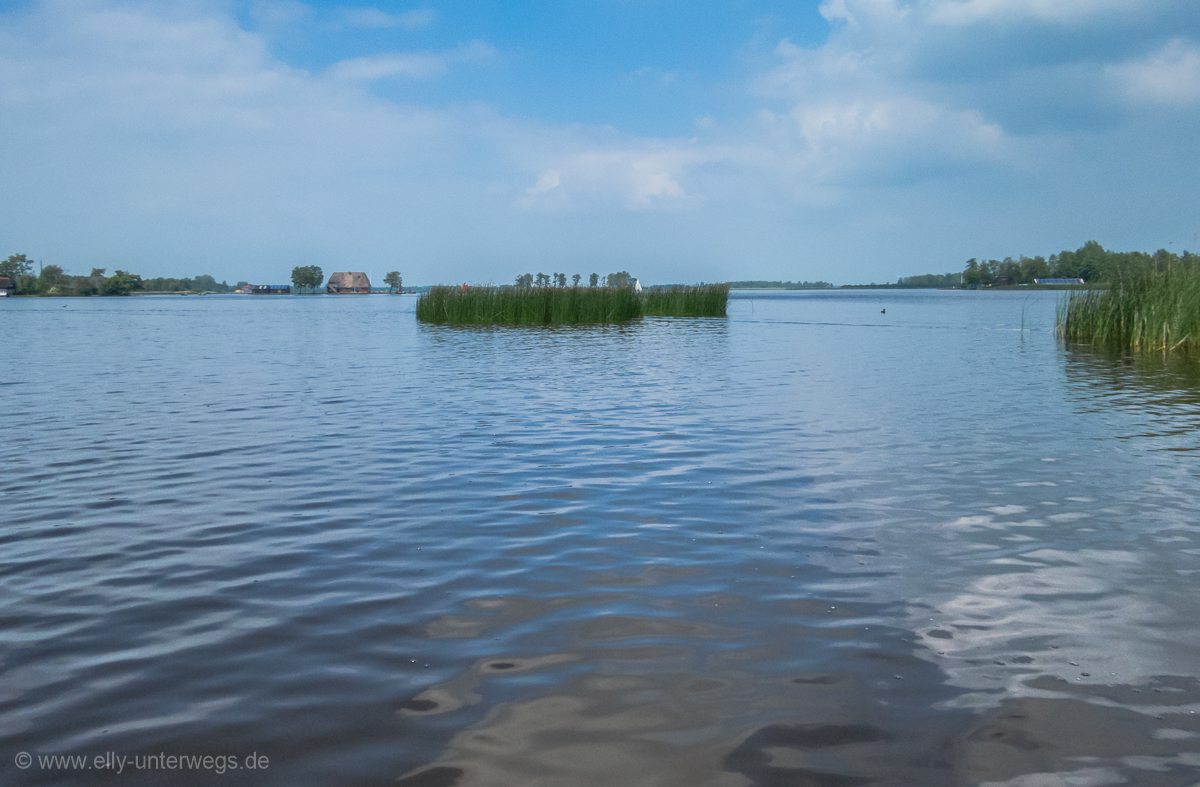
<point>525,281</point>
<point>309,276</point>
<point>16,265</point>
<point>543,280</point>
<point>392,280</point>
<point>1009,272</point>
<point>575,280</point>
<point>972,275</point>
<point>1094,261</point>
<point>560,280</point>
<point>1068,266</point>
<point>206,283</point>
<point>121,283</point>
<point>988,272</point>
<point>622,279</point>
<point>1034,268</point>
<point>97,273</point>
<point>51,279</point>
<point>594,280</point>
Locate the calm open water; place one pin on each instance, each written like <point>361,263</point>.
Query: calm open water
<point>811,544</point>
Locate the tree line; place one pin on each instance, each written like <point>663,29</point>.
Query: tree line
<point>758,284</point>
<point>1090,262</point>
<point>528,280</point>
<point>201,283</point>
<point>930,281</point>
<point>52,280</point>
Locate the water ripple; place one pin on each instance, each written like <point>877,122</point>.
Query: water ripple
<point>810,543</point>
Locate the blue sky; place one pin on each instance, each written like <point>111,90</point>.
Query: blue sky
<point>845,140</point>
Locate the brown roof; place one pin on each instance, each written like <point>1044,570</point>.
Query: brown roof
<point>350,281</point>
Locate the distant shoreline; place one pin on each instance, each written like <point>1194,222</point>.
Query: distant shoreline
<point>422,289</point>
<point>1018,287</point>
<point>989,288</point>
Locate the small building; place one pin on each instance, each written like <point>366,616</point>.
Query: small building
<point>350,282</point>
<point>270,289</point>
<point>7,287</point>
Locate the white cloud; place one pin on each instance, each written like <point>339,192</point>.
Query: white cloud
<point>855,117</point>
<point>396,64</point>
<point>1170,75</point>
<point>547,182</point>
<point>409,65</point>
<point>635,176</point>
<point>967,12</point>
<point>376,18</point>
<point>857,14</point>
<point>889,137</point>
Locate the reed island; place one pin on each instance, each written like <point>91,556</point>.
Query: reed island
<point>552,304</point>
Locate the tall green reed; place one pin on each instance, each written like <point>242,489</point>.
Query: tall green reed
<point>706,300</point>
<point>1148,307</point>
<point>566,305</point>
<point>528,306</point>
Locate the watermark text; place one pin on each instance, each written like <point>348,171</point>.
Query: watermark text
<point>119,763</point>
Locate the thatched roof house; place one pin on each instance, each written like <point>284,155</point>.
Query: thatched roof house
<point>349,282</point>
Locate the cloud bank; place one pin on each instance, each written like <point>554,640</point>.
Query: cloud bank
<point>172,139</point>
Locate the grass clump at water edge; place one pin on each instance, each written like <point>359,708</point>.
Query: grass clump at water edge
<point>566,305</point>
<point>1147,307</point>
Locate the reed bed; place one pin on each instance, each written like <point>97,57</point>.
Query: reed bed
<point>706,300</point>
<point>528,306</point>
<point>566,305</point>
<point>1144,308</point>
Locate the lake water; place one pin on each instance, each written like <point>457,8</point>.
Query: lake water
<point>813,544</point>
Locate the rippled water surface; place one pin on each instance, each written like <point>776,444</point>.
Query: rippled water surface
<point>816,543</point>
